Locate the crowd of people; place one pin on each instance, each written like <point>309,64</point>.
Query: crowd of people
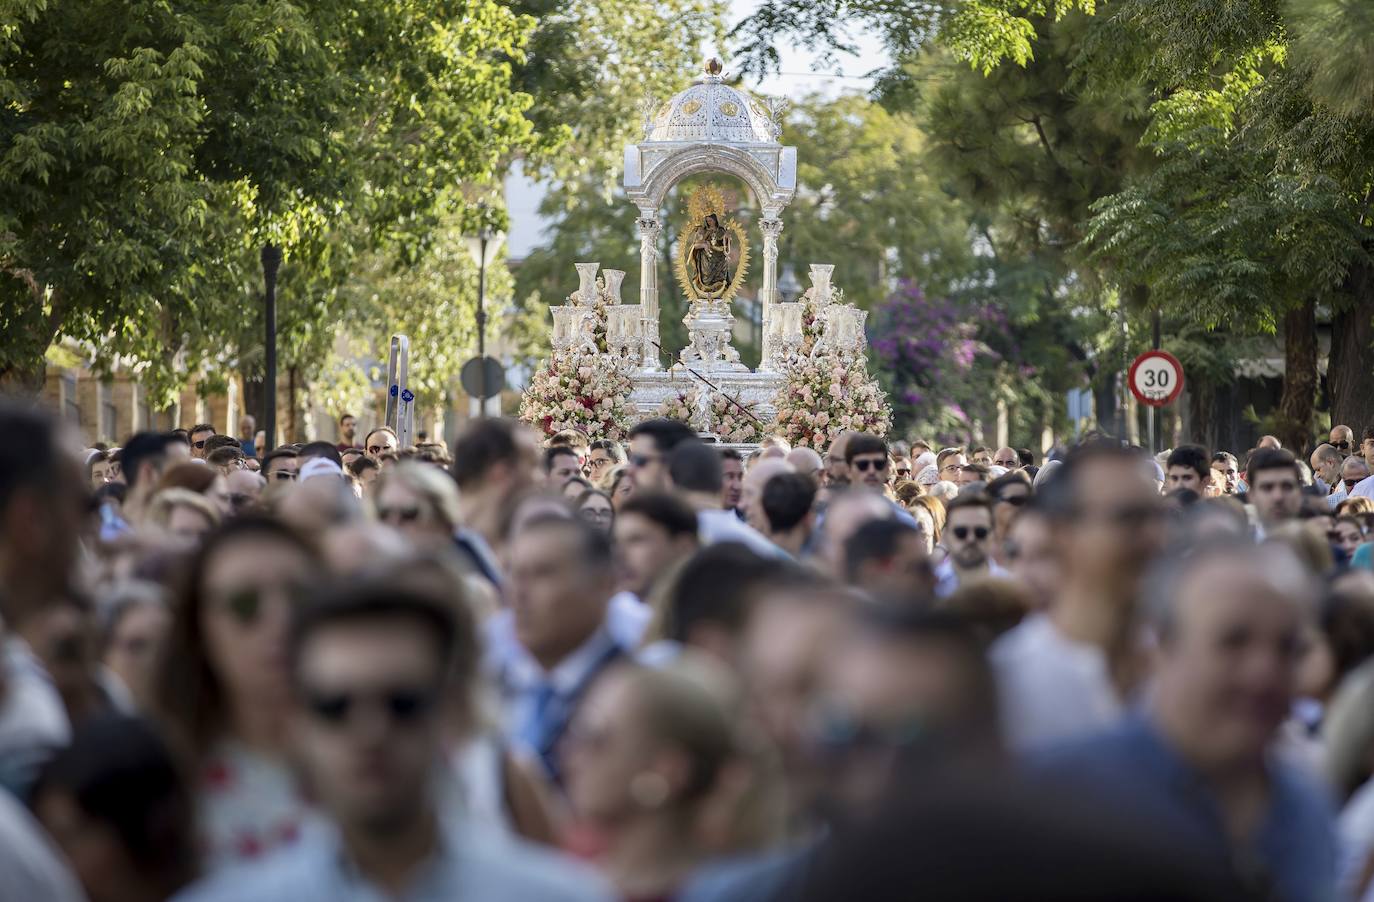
<point>520,668</point>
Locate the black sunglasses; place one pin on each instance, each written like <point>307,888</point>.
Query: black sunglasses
<point>245,605</point>
<point>402,705</point>
<point>979,532</point>
<point>399,514</point>
<point>377,449</point>
<point>1015,500</point>
<point>642,460</point>
<point>1343,446</point>
<point>199,444</point>
<point>863,466</point>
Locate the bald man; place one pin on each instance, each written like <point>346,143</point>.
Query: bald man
<point>1343,440</point>
<point>1007,457</point>
<point>805,460</point>
<point>751,491</point>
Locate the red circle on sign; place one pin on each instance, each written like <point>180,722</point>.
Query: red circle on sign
<point>1172,361</point>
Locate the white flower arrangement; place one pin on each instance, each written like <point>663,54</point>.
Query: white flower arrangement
<point>577,391</point>
<point>732,421</point>
<point>823,396</point>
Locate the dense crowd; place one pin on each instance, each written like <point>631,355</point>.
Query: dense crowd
<point>667,670</point>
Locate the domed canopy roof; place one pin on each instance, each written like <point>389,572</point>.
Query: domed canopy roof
<point>711,111</point>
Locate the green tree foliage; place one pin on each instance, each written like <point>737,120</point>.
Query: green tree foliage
<point>151,147</point>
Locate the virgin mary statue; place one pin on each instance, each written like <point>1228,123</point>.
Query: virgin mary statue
<point>709,261</point>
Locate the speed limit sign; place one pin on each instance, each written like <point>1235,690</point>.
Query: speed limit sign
<point>1156,378</point>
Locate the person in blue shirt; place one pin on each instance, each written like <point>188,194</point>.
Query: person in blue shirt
<point>1197,760</point>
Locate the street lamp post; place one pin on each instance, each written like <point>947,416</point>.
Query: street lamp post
<point>479,246</point>
<point>271,261</point>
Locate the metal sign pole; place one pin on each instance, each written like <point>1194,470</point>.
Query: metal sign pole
<point>400,407</point>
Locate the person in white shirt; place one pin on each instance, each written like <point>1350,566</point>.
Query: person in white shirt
<point>654,533</point>
<point>1353,472</point>
<point>695,470</point>
<point>1071,670</point>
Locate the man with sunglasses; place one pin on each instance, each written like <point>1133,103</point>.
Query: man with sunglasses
<point>650,444</point>
<point>372,694</point>
<point>280,466</point>
<point>1353,472</point>
<point>867,461</point>
<point>968,538</point>
<point>1342,438</point>
<point>200,434</point>
<point>1073,668</point>
<point>379,441</point>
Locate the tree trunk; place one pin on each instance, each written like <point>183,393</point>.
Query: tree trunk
<point>1350,370</point>
<point>1299,378</point>
<point>253,398</point>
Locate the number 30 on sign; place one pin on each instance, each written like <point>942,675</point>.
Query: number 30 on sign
<point>1156,378</point>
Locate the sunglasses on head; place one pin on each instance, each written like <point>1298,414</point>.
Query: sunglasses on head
<point>402,704</point>
<point>979,532</point>
<point>398,514</point>
<point>863,466</point>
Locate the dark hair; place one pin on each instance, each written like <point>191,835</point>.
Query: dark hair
<point>1060,494</point>
<point>370,602</point>
<point>1194,457</point>
<point>968,500</point>
<point>787,498</point>
<point>695,466</point>
<point>481,445</point>
<point>665,510</point>
<point>731,454</point>
<point>1025,456</point>
<point>346,416</point>
<point>360,465</point>
<point>217,441</point>
<point>716,586</point>
<point>278,454</point>
<point>1010,478</point>
<point>611,447</point>
<point>180,435</point>
<point>100,456</point>
<point>873,540</point>
<point>142,447</point>
<point>595,552</point>
<point>1271,459</point>
<point>189,694</point>
<point>863,443</point>
<point>221,456</point>
<point>194,477</point>
<point>120,772</point>
<point>201,427</point>
<point>666,434</point>
<point>554,452</point>
<point>1347,619</point>
<point>1367,434</point>
<point>327,450</point>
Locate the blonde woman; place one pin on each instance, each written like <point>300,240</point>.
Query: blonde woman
<point>419,501</point>
<point>183,513</point>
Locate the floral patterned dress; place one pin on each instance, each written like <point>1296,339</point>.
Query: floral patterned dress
<point>250,805</point>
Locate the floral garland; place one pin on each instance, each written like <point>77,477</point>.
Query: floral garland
<point>578,391</point>
<point>824,396</point>
<point>729,423</point>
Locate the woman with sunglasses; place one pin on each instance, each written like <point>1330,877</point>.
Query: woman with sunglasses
<point>223,685</point>
<point>418,501</point>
